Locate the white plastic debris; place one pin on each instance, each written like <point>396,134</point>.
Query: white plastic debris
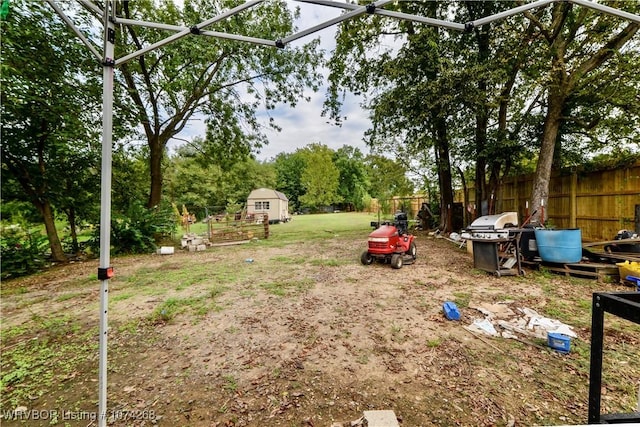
<point>542,325</point>
<point>523,321</point>
<point>484,326</point>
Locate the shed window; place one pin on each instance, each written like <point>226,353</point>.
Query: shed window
<point>262,206</point>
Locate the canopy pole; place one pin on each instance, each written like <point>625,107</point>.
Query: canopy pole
<point>194,30</point>
<point>73,28</point>
<point>608,10</point>
<point>510,12</point>
<point>105,271</point>
<point>397,15</point>
<point>360,10</point>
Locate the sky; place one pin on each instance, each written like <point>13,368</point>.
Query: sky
<point>304,124</point>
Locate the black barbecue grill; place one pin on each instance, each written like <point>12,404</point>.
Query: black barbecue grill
<point>496,243</point>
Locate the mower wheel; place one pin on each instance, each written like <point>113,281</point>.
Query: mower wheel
<point>366,258</point>
<point>397,261</point>
<point>413,251</point>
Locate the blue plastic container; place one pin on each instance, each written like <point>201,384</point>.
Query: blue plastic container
<point>559,342</point>
<point>451,310</point>
<point>559,246</point>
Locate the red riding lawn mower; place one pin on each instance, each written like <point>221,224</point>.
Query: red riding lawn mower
<point>391,243</point>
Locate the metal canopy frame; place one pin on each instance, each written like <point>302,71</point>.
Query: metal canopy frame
<point>109,19</point>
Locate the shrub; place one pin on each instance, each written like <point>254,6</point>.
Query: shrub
<point>23,252</point>
<point>138,229</point>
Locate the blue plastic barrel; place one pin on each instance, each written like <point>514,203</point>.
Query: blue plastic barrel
<point>559,246</point>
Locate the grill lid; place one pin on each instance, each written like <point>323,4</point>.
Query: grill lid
<point>495,222</point>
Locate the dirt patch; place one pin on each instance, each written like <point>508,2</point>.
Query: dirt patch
<point>304,335</point>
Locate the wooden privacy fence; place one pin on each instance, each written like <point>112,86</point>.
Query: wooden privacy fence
<point>600,203</point>
<point>409,204</point>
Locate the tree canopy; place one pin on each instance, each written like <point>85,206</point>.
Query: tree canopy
<point>320,177</point>
<point>502,93</point>
<point>226,81</point>
<point>49,97</point>
<point>555,86</point>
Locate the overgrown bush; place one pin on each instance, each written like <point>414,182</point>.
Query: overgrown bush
<point>23,251</point>
<point>138,230</point>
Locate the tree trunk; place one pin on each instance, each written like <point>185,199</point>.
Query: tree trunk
<point>57,254</point>
<point>563,83</point>
<point>444,174</point>
<point>465,196</point>
<point>71,216</point>
<point>493,188</point>
<point>540,193</point>
<point>156,154</point>
<point>482,118</point>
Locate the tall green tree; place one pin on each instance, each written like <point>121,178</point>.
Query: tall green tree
<point>577,43</point>
<point>227,81</point>
<point>491,105</point>
<point>413,87</point>
<point>289,168</point>
<point>484,91</point>
<point>130,179</point>
<point>488,83</point>
<point>49,96</point>
<point>353,181</point>
<point>388,177</point>
<point>196,182</point>
<point>509,93</point>
<point>319,177</point>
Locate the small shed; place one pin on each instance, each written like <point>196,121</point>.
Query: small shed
<point>272,202</point>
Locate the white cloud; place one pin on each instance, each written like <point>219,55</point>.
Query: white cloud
<point>304,124</point>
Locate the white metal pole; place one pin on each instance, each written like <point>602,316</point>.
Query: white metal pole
<point>90,6</point>
<point>104,271</point>
<point>73,28</point>
<point>186,32</point>
<point>179,28</point>
<point>511,12</point>
<point>361,10</point>
<point>607,9</point>
<point>422,19</point>
<point>391,14</point>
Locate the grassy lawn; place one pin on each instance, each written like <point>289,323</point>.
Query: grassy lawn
<point>311,227</point>
<point>304,335</point>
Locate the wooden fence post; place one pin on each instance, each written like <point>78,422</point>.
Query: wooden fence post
<point>265,223</point>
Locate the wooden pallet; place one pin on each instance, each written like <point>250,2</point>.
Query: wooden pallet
<point>586,270</point>
<point>611,242</point>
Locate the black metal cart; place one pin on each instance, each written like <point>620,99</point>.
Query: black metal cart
<point>498,256</point>
<point>627,306</point>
